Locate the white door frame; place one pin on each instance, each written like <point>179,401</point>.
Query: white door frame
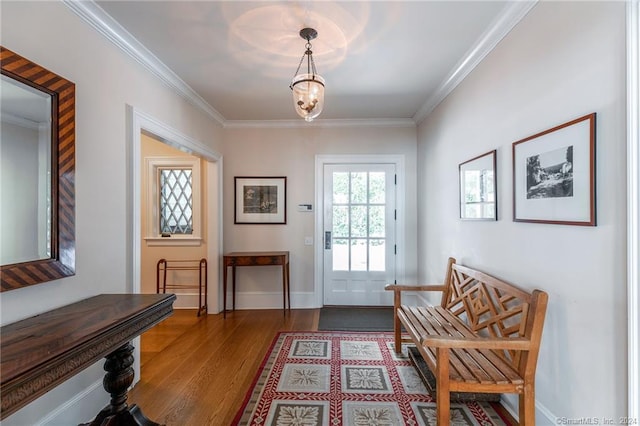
<point>633,208</point>
<point>321,161</point>
<point>138,123</point>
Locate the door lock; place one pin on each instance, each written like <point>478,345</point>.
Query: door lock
<point>327,240</point>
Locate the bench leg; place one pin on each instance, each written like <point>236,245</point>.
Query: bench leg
<point>398,332</point>
<point>397,327</point>
<point>443,404</point>
<point>527,406</point>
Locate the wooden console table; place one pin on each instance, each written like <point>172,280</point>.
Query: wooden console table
<point>41,352</point>
<point>255,258</point>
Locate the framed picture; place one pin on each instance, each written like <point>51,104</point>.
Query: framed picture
<point>478,188</point>
<point>260,200</point>
<point>554,175</point>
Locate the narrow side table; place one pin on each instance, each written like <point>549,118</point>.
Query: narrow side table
<point>255,258</point>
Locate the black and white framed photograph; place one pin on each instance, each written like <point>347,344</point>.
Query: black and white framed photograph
<point>478,188</point>
<point>260,200</point>
<point>554,175</point>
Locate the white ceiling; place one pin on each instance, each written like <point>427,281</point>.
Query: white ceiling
<point>380,59</point>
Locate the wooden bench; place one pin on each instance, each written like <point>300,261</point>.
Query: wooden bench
<point>484,336</point>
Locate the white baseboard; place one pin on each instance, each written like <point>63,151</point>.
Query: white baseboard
<point>78,406</point>
<point>186,301</point>
<point>272,300</point>
<point>544,417</point>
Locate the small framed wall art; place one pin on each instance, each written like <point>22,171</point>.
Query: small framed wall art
<point>554,175</point>
<point>260,200</point>
<point>478,189</point>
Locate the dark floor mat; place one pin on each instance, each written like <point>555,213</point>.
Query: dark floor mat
<point>349,318</point>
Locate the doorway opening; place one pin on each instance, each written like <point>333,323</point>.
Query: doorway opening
<point>141,127</point>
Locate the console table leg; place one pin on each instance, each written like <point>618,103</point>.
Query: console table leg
<point>119,368</point>
<point>284,289</point>
<point>224,291</point>
<point>288,288</point>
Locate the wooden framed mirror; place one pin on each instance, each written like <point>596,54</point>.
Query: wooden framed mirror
<point>54,230</point>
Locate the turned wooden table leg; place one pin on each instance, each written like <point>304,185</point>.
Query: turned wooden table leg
<point>119,368</point>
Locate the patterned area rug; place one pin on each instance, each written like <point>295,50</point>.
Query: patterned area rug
<point>334,378</point>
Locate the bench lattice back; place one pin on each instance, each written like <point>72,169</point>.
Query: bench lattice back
<point>488,306</point>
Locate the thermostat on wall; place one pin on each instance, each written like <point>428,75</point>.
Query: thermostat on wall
<point>305,207</point>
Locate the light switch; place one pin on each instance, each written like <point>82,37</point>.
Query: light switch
<point>308,241</point>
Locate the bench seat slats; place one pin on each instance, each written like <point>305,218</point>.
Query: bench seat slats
<point>483,370</point>
<point>488,359</point>
<point>469,365</point>
<point>458,367</point>
<point>466,365</point>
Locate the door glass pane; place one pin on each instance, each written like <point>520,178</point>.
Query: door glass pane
<point>340,252</point>
<point>340,221</point>
<point>340,187</point>
<point>377,255</point>
<point>359,255</point>
<point>376,187</point>
<point>358,221</point>
<point>359,187</point>
<point>376,221</point>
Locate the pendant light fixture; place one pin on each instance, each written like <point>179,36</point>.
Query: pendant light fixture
<point>308,88</point>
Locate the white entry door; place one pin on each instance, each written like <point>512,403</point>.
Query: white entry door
<point>359,233</point>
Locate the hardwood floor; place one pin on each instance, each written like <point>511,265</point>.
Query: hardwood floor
<point>197,371</point>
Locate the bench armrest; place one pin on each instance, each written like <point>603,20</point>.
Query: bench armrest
<point>417,287</point>
<point>507,343</point>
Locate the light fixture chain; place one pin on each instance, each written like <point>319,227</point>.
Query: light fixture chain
<point>313,65</point>
<point>309,59</point>
<point>299,65</point>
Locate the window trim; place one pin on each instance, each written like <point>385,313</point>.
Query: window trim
<point>153,166</point>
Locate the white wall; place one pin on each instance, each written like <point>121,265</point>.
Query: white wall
<point>51,35</point>
<point>562,61</point>
<point>291,152</point>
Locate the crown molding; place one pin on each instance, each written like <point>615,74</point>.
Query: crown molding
<point>102,22</point>
<point>334,123</point>
<point>510,16</point>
